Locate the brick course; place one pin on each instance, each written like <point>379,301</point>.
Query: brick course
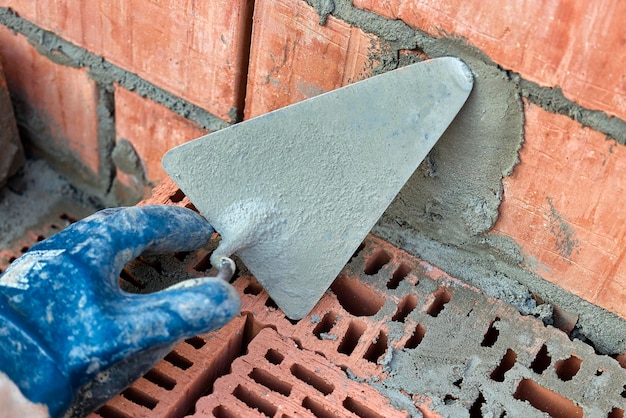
<point>195,50</point>
<point>574,45</point>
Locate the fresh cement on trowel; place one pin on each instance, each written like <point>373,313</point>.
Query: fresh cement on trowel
<point>295,191</point>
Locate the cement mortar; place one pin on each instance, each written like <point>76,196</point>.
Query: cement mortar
<point>34,194</point>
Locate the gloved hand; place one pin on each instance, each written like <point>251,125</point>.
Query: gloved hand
<point>71,339</point>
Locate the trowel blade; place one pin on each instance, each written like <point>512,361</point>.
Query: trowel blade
<point>299,188</point>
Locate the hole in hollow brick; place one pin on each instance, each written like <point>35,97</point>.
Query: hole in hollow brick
<point>325,325</point>
<point>541,361</point>
<point>616,413</point>
<point>177,360</point>
<point>546,400</point>
<point>140,397</point>
<point>355,297</point>
<point>254,401</point>
<point>358,251</point>
<point>40,238</point>
<point>191,206</point>
<point>506,364</point>
<point>221,411</point>
<point>442,297</point>
<point>177,196</point>
<point>491,336</point>
<point>160,379</point>
<point>67,218</point>
<point>128,277</point>
<point>108,411</point>
<point>476,410</point>
<point>196,342</point>
<point>351,337</point>
<point>204,264</point>
<point>377,348</point>
<point>624,392</point>
<point>253,288</point>
<point>405,307</point>
<point>269,302</point>
<point>359,408</point>
<point>24,249</point>
<point>181,255</point>
<point>311,379</point>
<point>416,337</point>
<point>376,262</point>
<point>265,378</point>
<point>317,408</point>
<point>398,275</point>
<point>566,369</point>
<point>274,356</point>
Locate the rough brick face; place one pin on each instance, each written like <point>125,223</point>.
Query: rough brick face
<point>578,46</point>
<point>57,103</point>
<point>294,58</point>
<point>195,50</point>
<point>152,129</point>
<point>564,204</point>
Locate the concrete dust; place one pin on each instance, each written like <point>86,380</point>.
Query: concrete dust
<point>35,195</point>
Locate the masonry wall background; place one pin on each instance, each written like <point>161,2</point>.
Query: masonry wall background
<point>523,196</point>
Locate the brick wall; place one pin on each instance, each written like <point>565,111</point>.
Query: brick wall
<point>141,76</point>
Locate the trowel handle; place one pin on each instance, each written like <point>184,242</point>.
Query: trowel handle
<point>70,338</point>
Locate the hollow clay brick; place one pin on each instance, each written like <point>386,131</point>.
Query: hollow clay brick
<point>293,58</point>
<point>62,99</point>
<point>563,205</point>
<point>579,46</point>
<point>208,362</point>
<point>194,50</point>
<point>152,129</point>
<point>277,378</point>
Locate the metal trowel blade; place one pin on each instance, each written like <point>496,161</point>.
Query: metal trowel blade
<point>294,192</point>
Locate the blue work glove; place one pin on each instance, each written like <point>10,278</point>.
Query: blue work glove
<point>70,338</point>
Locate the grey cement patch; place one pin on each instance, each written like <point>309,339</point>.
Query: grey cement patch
<point>35,195</point>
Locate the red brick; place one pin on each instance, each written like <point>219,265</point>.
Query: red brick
<point>152,129</point>
<point>176,390</point>
<point>579,46</point>
<point>195,50</point>
<point>63,98</point>
<point>294,58</point>
<point>564,205</point>
<point>303,384</point>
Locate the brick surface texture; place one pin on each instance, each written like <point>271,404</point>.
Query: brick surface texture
<point>568,194</point>
<point>192,49</point>
<point>574,45</point>
<point>152,129</point>
<point>293,58</point>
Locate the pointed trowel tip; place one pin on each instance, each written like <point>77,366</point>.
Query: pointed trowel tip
<point>463,75</point>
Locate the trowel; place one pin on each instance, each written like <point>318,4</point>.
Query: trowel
<point>295,191</point>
